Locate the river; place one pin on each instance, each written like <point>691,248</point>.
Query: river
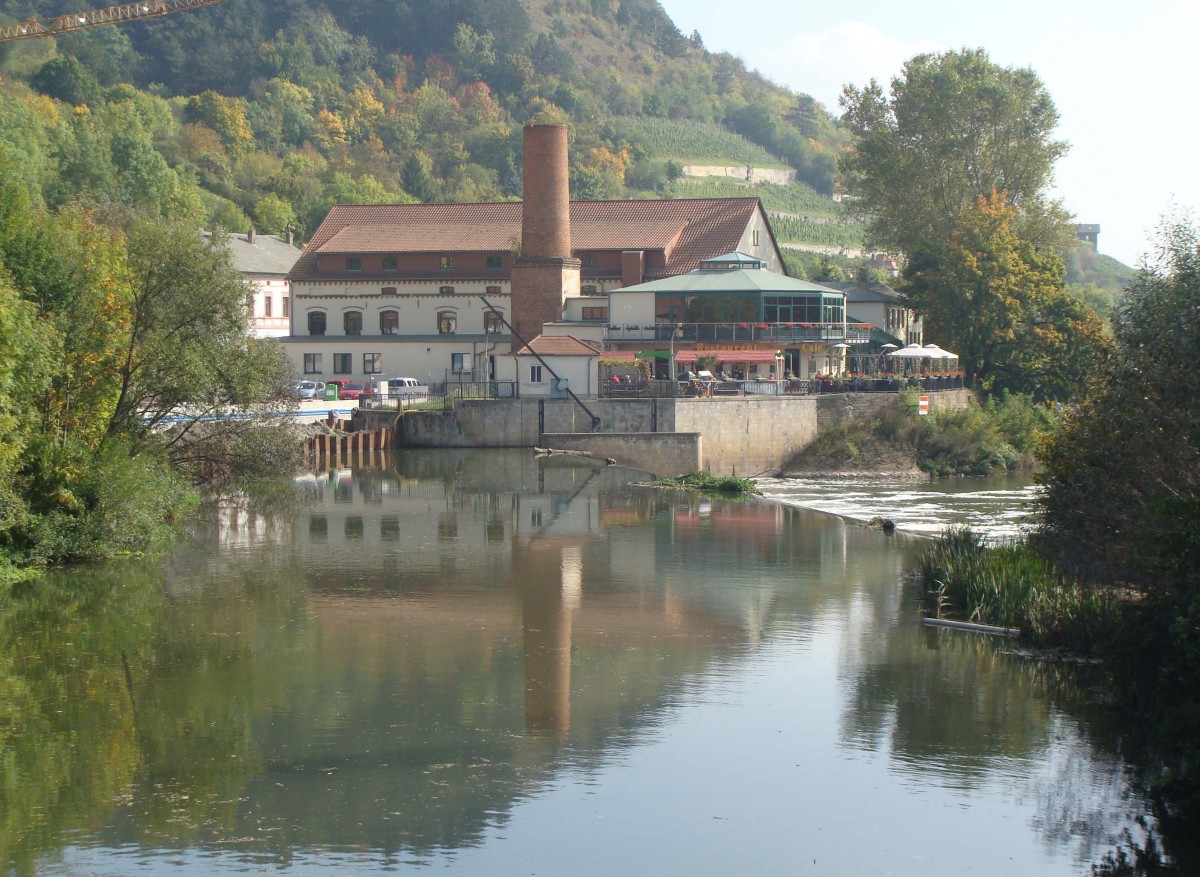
<point>490,663</point>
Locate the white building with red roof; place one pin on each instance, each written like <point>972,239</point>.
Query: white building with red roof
<point>426,290</point>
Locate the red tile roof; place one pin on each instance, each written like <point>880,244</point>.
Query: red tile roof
<point>558,345</point>
<point>687,229</point>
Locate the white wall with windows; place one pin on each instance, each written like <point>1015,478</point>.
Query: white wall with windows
<point>361,358</point>
<point>535,379</point>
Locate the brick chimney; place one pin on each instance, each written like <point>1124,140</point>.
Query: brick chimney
<point>545,273</point>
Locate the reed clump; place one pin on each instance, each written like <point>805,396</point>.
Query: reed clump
<point>1013,584</point>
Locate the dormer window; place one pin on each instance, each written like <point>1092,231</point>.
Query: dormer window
<point>353,263</point>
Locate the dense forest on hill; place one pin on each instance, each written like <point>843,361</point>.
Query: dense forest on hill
<point>266,113</point>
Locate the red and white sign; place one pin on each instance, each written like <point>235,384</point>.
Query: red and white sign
<point>922,405</point>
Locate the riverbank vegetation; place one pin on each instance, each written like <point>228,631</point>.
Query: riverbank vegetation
<point>706,482</point>
<point>1112,572</point>
<point>997,435</point>
<point>123,339</point>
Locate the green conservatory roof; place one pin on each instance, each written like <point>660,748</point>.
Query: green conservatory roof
<point>728,281</point>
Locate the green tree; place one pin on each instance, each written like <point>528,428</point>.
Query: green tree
<point>68,80</point>
<point>474,53</point>
<point>1122,497</point>
<point>416,178</point>
<point>954,128</point>
<point>273,215</point>
<point>992,297</point>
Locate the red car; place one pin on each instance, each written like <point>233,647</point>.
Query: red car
<point>352,390</point>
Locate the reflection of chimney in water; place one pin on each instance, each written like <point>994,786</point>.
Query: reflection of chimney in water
<point>549,596</point>
<point>545,273</point>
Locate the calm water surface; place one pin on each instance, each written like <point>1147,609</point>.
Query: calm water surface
<point>487,663</point>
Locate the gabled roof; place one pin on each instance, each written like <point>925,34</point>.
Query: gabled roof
<point>863,292</point>
<point>687,229</point>
<point>269,254</point>
<point>557,345</point>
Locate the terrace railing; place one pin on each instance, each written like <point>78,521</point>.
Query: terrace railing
<point>750,333</point>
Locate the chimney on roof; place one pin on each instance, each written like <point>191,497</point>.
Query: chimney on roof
<point>250,236</point>
<point>545,274</point>
<point>291,237</point>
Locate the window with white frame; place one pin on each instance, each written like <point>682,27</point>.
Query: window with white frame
<point>535,374</point>
<point>460,362</point>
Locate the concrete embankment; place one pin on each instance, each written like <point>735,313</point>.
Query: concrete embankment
<point>745,435</point>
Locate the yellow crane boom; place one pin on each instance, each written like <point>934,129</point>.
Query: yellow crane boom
<point>35,27</point>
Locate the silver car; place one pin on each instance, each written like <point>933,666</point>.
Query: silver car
<point>310,390</point>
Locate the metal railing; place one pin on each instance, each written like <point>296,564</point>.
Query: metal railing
<point>761,333</point>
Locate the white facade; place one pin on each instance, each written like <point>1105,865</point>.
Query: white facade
<point>366,329</point>
<point>534,378</point>
<point>270,315</point>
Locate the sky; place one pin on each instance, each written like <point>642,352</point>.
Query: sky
<point>1124,76</point>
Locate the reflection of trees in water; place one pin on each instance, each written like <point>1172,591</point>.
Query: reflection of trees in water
<point>127,692</point>
<point>240,706</point>
<point>962,710</point>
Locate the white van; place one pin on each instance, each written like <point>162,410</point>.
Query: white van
<point>406,388</point>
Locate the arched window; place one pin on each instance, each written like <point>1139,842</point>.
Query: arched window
<point>447,322</point>
<point>491,323</point>
<point>352,322</point>
<point>316,322</point>
<point>389,322</point>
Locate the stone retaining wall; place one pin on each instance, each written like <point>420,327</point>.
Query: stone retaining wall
<point>743,435</point>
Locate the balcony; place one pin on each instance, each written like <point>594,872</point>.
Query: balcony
<point>776,334</point>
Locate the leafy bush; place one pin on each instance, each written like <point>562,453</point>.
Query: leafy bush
<point>706,481</point>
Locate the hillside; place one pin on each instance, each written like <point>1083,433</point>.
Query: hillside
<point>266,113</point>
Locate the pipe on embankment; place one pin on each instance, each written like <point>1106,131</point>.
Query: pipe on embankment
<point>971,627</point>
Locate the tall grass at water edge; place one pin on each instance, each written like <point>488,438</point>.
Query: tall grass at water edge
<point>1011,584</point>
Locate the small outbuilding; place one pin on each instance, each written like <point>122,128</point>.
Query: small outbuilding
<point>549,365</point>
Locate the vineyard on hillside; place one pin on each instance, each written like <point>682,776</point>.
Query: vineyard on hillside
<point>692,142</point>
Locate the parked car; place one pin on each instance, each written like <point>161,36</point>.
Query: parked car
<point>406,388</point>
<point>311,389</point>
<point>353,390</point>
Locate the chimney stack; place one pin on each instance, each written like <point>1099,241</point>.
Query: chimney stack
<point>545,273</point>
<point>250,236</point>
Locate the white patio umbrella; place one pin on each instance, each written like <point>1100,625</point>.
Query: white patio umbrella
<point>935,352</point>
<point>912,351</point>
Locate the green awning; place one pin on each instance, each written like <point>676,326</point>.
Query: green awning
<point>652,354</point>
